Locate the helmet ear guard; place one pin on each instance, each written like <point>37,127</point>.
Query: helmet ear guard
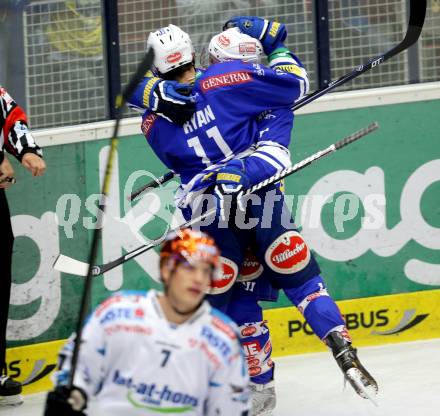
<point>172,48</point>
<point>231,44</point>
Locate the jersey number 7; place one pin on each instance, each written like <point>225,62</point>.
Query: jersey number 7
<point>166,357</point>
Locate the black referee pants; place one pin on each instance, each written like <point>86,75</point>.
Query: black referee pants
<point>6,243</point>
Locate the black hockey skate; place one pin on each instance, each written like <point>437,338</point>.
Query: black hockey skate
<point>10,392</point>
<point>355,373</point>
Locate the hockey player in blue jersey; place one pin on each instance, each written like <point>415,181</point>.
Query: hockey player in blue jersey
<point>166,97</point>
<point>231,143</point>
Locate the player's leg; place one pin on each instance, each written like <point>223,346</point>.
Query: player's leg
<point>232,252</point>
<point>323,316</point>
<point>254,335</point>
<point>244,310</point>
<point>290,265</point>
<point>9,389</point>
<point>239,301</point>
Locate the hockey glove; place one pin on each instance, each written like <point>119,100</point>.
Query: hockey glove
<point>231,182</point>
<point>271,34</point>
<point>167,98</point>
<point>66,402</point>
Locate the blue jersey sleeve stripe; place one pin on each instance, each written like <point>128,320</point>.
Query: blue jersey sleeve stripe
<point>278,153</point>
<point>268,158</point>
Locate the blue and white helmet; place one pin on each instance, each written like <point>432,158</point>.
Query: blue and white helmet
<point>234,45</point>
<point>172,48</point>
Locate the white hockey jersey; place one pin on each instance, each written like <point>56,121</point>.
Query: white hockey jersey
<point>133,361</point>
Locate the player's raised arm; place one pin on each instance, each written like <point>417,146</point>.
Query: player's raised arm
<point>274,88</point>
<point>272,36</point>
<point>248,80</point>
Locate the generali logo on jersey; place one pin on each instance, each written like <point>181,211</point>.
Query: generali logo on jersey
<point>230,78</point>
<point>174,57</point>
<point>288,253</point>
<point>147,123</point>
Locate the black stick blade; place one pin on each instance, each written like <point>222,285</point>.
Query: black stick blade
<point>417,13</point>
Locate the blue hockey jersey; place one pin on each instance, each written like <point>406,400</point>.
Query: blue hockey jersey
<point>242,111</point>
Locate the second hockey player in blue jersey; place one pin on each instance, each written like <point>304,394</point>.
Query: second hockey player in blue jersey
<point>232,142</point>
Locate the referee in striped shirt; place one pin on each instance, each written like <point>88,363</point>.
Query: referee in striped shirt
<point>17,140</point>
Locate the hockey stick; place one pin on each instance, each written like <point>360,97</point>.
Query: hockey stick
<point>66,264</point>
<point>417,11</point>
<point>151,185</point>
<point>143,67</point>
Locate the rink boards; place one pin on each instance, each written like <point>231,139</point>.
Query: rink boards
<point>369,212</point>
<point>33,365</point>
<point>371,321</point>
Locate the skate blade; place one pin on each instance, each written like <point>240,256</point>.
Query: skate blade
<point>367,392</point>
<point>268,413</point>
<point>14,400</point>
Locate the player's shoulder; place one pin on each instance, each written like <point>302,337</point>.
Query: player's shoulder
<point>153,124</point>
<point>229,75</point>
<point>219,338</point>
<point>236,72</point>
<point>223,325</point>
<point>122,304</point>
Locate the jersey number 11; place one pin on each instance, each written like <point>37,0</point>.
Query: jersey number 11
<point>213,133</point>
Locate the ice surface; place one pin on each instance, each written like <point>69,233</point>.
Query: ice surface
<point>408,375</point>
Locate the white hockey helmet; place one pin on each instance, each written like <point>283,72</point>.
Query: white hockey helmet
<point>234,45</point>
<point>172,48</point>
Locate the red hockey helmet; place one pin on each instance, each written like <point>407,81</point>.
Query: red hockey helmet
<point>192,246</point>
